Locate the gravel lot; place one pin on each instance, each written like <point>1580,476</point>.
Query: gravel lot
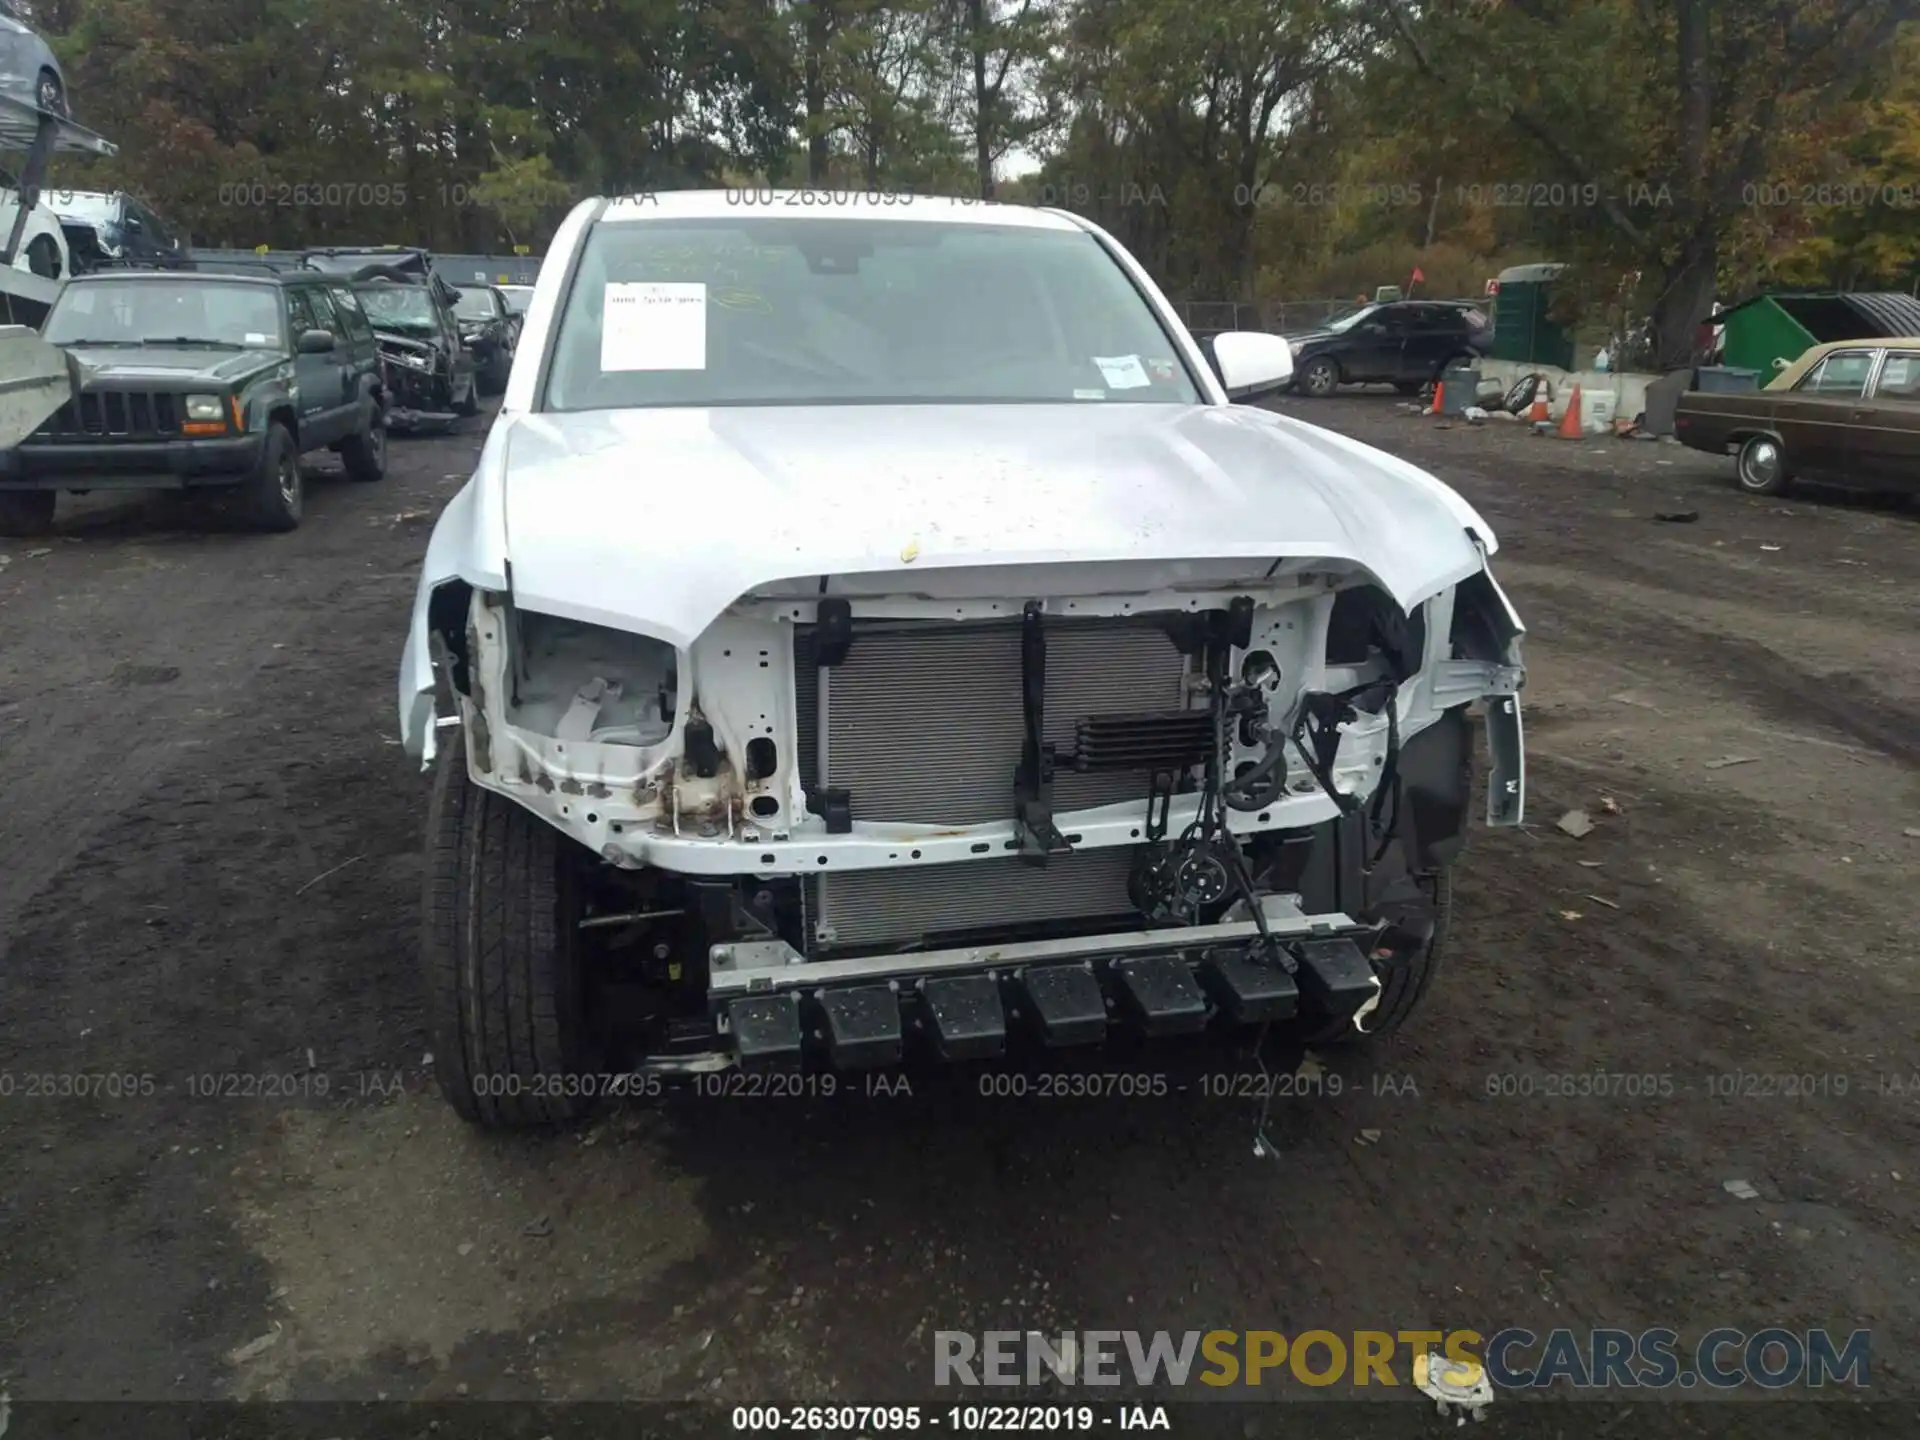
<point>211,843</point>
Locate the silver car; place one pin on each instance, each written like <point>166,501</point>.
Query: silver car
<point>28,70</point>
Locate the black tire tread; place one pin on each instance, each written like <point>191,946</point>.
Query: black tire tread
<point>62,106</point>
<point>357,455</point>
<point>1403,987</point>
<point>43,257</point>
<point>1402,990</point>
<point>499,971</point>
<point>264,507</point>
<point>25,514</point>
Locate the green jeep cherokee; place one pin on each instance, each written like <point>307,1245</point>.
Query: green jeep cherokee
<point>200,380</point>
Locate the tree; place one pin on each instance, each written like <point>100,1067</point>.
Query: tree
<point>1662,117</point>
<point>1183,119</point>
<point>999,48</point>
<point>818,24</point>
<point>885,76</point>
<point>1861,218</point>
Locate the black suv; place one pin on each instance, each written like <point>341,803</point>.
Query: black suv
<point>428,366</point>
<point>1403,342</point>
<point>194,380</point>
<point>490,330</point>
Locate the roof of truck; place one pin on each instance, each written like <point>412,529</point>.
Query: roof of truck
<point>226,277</point>
<point>755,202</point>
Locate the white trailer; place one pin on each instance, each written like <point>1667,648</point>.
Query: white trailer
<point>39,135</point>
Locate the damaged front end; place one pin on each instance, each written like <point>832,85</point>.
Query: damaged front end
<point>419,377</point>
<point>850,818</point>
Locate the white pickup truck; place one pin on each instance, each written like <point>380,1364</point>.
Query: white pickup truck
<point>876,629</point>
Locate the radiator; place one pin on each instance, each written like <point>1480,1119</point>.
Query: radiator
<point>922,724</point>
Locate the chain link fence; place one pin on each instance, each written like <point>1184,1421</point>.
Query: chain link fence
<point>1287,317</point>
<point>1278,317</point>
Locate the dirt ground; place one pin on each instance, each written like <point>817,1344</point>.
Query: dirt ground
<point>211,868</point>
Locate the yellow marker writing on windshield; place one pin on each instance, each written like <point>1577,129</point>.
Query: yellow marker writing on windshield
<point>735,299</point>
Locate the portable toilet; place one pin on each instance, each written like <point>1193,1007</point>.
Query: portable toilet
<point>1521,330</point>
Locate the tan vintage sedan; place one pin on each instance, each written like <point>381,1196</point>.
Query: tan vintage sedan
<point>1847,412</point>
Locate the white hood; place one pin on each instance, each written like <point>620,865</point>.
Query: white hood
<point>657,520</point>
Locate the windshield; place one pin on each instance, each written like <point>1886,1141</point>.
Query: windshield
<point>1347,322</point>
<point>854,311</point>
<point>399,307</point>
<point>112,311</point>
<point>347,264</point>
<point>475,305</point>
<point>89,207</point>
<point>518,297</point>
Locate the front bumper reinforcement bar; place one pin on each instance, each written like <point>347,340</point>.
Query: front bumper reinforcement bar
<point>775,1006</point>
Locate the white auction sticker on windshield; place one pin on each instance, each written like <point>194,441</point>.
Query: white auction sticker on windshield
<point>654,325</point>
<point>1123,372</point>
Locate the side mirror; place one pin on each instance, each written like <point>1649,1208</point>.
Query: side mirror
<point>317,342</point>
<point>1251,363</point>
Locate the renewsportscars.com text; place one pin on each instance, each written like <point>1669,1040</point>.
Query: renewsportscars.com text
<point>1513,1359</point>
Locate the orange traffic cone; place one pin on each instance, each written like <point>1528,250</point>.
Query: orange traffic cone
<point>1570,422</point>
<point>1539,414</point>
<point>1439,406</point>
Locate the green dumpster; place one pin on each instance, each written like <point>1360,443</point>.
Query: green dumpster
<point>1521,330</point>
<point>1760,332</point>
<point>1783,327</point>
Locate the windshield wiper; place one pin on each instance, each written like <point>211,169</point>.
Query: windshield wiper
<point>191,340</point>
<point>99,343</point>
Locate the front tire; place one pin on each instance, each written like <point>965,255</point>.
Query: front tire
<point>276,493</point>
<point>1403,986</point>
<point>51,95</point>
<point>43,257</point>
<point>1321,378</point>
<point>27,513</point>
<point>1761,466</point>
<point>501,947</point>
<point>498,369</point>
<point>365,455</point>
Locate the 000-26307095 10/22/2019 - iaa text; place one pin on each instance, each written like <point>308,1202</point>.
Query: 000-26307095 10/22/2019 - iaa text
<point>874,1420</point>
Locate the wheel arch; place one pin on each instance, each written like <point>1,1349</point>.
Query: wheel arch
<point>279,410</point>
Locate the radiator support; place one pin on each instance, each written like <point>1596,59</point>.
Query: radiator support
<point>1039,837</point>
